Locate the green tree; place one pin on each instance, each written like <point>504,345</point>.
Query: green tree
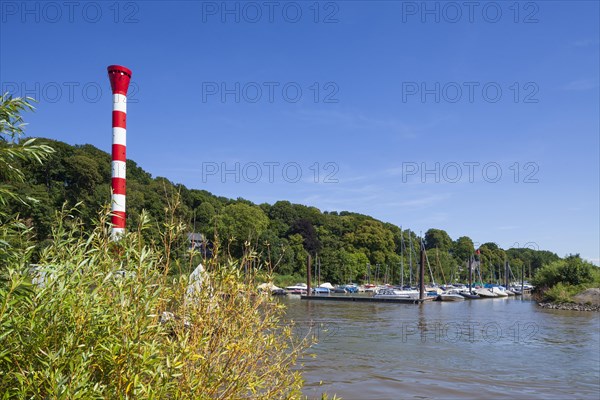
<point>463,248</point>
<point>283,211</point>
<point>372,239</point>
<point>240,223</point>
<point>83,173</point>
<point>308,232</point>
<point>296,247</point>
<point>437,238</point>
<point>205,213</point>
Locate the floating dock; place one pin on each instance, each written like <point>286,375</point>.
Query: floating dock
<point>364,299</point>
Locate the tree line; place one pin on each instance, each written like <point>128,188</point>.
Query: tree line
<point>346,246</point>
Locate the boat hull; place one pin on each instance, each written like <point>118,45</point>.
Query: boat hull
<point>486,293</point>
<point>470,296</point>
<point>451,297</point>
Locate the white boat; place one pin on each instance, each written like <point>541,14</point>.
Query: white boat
<point>451,295</point>
<point>516,290</point>
<point>433,289</point>
<point>298,288</point>
<point>499,291</point>
<point>517,285</point>
<point>482,292</point>
<point>469,295</point>
<point>327,285</point>
<point>269,287</point>
<point>369,287</point>
<point>389,293</point>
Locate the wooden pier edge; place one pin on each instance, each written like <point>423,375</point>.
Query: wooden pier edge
<point>363,299</point>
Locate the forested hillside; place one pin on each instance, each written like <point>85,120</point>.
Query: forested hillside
<point>349,246</point>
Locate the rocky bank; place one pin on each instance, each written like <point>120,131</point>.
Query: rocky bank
<point>588,300</point>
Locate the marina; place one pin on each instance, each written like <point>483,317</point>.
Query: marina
<point>423,292</point>
<point>391,295</point>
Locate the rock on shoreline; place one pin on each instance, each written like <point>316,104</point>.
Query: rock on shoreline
<point>589,296</point>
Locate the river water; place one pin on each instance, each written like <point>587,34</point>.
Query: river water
<point>475,349</point>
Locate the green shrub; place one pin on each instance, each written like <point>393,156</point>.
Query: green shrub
<point>561,293</point>
<point>572,271</point>
<point>84,331</point>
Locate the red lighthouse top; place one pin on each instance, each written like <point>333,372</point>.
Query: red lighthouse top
<point>119,79</point>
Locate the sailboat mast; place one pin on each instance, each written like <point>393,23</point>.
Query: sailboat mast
<point>428,265</point>
<point>316,275</point>
<point>422,273</point>
<point>401,258</point>
<point>479,268</point>
<point>319,261</point>
<point>437,257</point>
<point>410,250</point>
<point>522,278</point>
<point>308,269</point>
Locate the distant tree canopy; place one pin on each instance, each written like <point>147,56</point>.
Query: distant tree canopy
<point>348,246</point>
<point>240,223</point>
<point>305,228</point>
<point>437,238</point>
<point>463,248</point>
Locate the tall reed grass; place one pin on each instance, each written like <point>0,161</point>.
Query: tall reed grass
<point>103,320</point>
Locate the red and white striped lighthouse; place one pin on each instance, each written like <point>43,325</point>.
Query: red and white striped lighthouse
<point>119,81</point>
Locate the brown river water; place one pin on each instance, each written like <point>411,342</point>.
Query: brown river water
<point>503,348</point>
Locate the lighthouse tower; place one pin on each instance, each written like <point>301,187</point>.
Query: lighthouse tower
<point>119,81</point>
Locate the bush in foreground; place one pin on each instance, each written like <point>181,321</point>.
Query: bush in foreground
<point>81,330</point>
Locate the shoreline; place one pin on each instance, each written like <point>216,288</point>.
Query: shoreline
<point>570,306</point>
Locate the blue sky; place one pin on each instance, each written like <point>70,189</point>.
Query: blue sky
<point>369,94</point>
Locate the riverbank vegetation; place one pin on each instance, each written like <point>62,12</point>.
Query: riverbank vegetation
<point>561,280</point>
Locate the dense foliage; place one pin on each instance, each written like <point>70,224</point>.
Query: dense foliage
<point>108,322</point>
<point>560,280</point>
